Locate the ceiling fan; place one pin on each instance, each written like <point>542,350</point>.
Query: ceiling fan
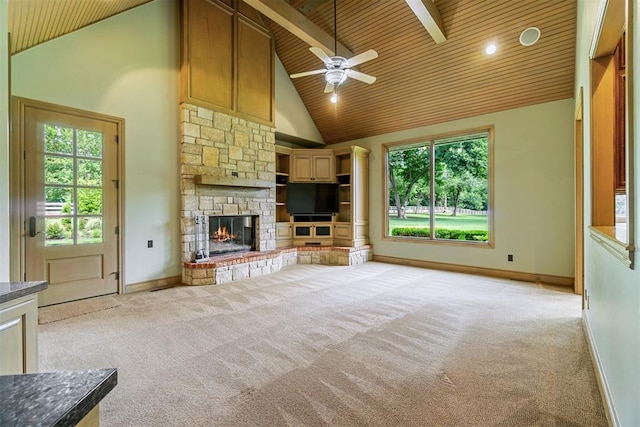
<point>338,68</point>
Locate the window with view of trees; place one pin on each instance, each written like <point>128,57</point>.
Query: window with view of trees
<point>438,188</point>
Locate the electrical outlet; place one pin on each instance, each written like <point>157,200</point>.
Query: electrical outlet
<point>149,243</point>
<point>510,258</point>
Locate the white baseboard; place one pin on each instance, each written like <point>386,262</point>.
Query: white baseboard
<point>607,400</point>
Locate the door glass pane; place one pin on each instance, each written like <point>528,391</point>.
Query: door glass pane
<point>73,190</point>
<point>409,192</point>
<point>89,230</point>
<point>89,143</point>
<point>58,170</point>
<point>58,140</point>
<point>90,172</point>
<point>462,190</point>
<point>89,201</point>
<point>58,231</point>
<point>58,200</point>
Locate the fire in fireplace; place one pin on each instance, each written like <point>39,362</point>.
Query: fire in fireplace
<point>231,234</point>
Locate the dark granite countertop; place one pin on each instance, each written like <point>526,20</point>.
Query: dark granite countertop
<point>52,398</point>
<point>13,290</point>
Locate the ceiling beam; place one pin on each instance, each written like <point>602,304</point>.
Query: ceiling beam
<point>283,14</point>
<point>429,15</point>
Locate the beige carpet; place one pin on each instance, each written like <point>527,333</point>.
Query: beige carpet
<point>371,345</point>
<point>54,313</point>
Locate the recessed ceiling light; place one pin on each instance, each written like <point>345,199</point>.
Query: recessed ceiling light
<point>530,36</point>
<point>491,49</point>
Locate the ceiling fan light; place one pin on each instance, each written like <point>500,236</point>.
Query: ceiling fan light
<point>334,98</point>
<point>335,77</point>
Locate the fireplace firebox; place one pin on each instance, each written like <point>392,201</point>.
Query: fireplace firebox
<point>218,235</point>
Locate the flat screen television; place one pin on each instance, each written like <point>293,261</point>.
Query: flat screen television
<point>312,198</point>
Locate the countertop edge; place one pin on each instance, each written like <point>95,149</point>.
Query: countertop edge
<point>22,289</point>
<point>74,415</point>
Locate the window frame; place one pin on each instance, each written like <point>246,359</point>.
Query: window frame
<point>429,141</point>
<point>613,23</point>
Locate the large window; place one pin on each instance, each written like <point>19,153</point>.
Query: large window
<point>438,189</point>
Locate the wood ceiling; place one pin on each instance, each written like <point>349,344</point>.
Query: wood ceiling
<point>418,83</point>
<point>32,22</point>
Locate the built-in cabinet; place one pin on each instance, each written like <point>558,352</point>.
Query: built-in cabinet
<point>348,167</point>
<point>284,228</point>
<point>311,165</point>
<point>313,230</point>
<point>19,335</point>
<point>352,175</point>
<point>228,59</point>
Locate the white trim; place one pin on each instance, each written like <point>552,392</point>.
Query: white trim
<point>621,251</point>
<point>598,28</point>
<point>603,385</point>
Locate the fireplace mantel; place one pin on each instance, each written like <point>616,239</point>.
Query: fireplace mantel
<point>230,181</point>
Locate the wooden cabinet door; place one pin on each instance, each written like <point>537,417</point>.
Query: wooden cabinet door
<point>323,169</point>
<point>302,168</point>
<point>18,336</point>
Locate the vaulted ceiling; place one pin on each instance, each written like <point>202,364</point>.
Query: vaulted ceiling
<point>419,82</point>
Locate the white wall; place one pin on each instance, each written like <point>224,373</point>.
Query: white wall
<point>533,192</point>
<point>613,318</point>
<point>126,66</point>
<point>4,147</point>
<point>292,117</point>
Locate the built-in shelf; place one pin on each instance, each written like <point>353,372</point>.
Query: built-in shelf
<point>282,174</point>
<point>232,181</point>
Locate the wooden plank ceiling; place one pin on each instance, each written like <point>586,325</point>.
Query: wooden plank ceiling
<point>420,82</point>
<point>32,22</point>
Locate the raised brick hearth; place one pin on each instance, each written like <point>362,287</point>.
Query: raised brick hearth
<point>225,269</point>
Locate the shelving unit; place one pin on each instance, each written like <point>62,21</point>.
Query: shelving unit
<point>352,221</point>
<point>284,231</point>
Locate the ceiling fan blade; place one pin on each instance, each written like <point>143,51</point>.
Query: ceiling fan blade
<point>321,54</point>
<point>366,78</point>
<point>363,57</point>
<point>307,73</point>
<point>328,88</point>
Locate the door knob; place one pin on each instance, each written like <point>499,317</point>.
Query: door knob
<point>32,227</point>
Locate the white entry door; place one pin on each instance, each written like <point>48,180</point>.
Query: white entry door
<point>70,204</point>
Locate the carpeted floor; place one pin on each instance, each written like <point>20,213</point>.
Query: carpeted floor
<point>370,345</point>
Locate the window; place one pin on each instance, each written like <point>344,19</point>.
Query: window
<point>73,164</point>
<point>438,189</point>
<point>609,213</point>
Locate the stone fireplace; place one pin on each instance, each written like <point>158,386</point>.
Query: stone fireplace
<point>227,168</point>
<point>227,171</point>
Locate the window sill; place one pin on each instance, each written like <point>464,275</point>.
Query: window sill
<point>606,237</point>
<point>422,240</point>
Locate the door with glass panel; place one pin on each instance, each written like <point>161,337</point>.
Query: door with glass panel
<point>70,204</point>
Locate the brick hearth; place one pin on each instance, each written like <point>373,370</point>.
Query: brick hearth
<point>225,269</point>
